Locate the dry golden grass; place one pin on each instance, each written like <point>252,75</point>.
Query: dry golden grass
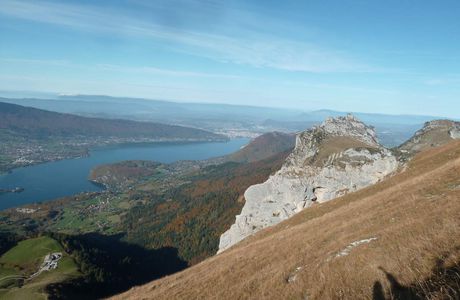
<point>415,216</point>
<point>335,145</point>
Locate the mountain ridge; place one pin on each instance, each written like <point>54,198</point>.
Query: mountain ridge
<point>433,133</point>
<point>230,120</point>
<point>30,136</point>
<point>357,246</point>
<point>37,121</point>
<point>339,156</point>
<point>263,146</point>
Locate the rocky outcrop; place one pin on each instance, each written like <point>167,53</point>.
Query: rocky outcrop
<point>434,133</point>
<point>339,156</point>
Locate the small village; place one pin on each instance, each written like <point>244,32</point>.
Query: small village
<point>50,262</point>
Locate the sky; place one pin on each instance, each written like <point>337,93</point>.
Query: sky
<point>393,56</point>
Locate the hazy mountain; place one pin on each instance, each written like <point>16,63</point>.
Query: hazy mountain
<point>263,146</point>
<point>31,136</point>
<point>151,109</point>
<point>27,121</point>
<point>393,129</point>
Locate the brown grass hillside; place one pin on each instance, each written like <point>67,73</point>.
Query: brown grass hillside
<point>414,216</point>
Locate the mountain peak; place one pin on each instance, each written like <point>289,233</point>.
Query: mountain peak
<point>350,126</point>
<point>334,135</point>
<point>339,156</point>
<point>452,127</point>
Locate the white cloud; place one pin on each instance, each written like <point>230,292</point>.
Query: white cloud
<point>161,71</point>
<point>244,46</point>
<point>118,68</point>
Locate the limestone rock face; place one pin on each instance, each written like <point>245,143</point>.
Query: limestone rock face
<point>434,133</point>
<point>455,133</point>
<point>339,156</point>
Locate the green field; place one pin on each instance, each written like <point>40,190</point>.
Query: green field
<point>78,219</point>
<point>24,259</point>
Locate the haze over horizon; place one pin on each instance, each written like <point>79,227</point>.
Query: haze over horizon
<point>397,57</point>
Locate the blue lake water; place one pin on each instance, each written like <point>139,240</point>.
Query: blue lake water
<point>68,177</point>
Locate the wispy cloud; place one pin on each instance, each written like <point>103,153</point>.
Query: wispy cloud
<point>247,45</point>
<point>443,81</point>
<point>166,72</point>
<point>119,68</point>
<point>46,62</point>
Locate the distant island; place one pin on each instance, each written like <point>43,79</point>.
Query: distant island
<point>14,190</point>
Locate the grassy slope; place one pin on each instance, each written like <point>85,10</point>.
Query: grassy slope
<point>413,215</point>
<point>336,145</point>
<point>23,260</point>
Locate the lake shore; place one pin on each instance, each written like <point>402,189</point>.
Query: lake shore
<point>52,180</point>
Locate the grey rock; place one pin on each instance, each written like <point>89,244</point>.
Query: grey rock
<point>310,176</point>
<point>433,134</point>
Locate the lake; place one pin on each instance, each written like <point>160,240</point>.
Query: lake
<point>70,176</point>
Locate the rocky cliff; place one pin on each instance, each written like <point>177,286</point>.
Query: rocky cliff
<point>339,156</point>
<point>434,133</point>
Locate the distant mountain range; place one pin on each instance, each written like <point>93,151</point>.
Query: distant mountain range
<point>28,121</point>
<point>30,135</point>
<point>167,110</point>
<point>143,109</point>
<point>230,120</point>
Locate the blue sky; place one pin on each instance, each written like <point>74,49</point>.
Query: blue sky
<point>370,56</point>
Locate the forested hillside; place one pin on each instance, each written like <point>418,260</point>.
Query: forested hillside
<point>159,221</point>
<point>37,123</point>
<point>192,216</point>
